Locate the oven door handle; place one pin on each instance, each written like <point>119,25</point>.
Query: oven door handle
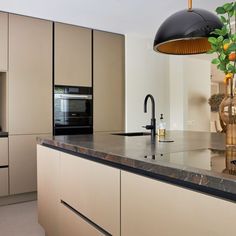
<point>73,96</point>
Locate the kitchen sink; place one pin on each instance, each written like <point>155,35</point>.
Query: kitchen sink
<point>133,134</point>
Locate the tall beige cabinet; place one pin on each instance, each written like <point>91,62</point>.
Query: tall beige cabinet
<point>3,41</point>
<point>108,81</point>
<point>73,55</point>
<point>30,96</point>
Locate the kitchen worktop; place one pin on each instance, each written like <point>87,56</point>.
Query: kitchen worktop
<point>3,134</point>
<point>195,160</point>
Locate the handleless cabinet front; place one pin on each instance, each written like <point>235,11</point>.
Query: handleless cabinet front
<point>4,152</point>
<point>93,190</point>
<point>72,224</point>
<point>3,182</point>
<point>151,207</point>
<point>30,75</point>
<point>73,55</point>
<point>48,167</point>
<point>3,41</point>
<point>109,82</point>
<point>22,163</point>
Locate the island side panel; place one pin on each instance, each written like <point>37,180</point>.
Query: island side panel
<point>48,176</point>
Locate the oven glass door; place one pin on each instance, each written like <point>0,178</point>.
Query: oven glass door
<point>73,111</point>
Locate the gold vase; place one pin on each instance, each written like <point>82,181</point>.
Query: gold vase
<point>230,161</point>
<point>227,110</point>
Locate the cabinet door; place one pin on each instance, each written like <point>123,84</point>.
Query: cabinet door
<point>3,41</point>
<point>71,224</point>
<point>150,207</point>
<point>73,53</point>
<point>93,190</point>
<point>3,182</point>
<point>22,163</point>
<point>4,151</point>
<point>109,92</point>
<point>30,75</point>
<point>48,167</point>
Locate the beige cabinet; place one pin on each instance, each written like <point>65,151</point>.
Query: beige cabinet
<point>48,166</point>
<point>3,182</point>
<point>30,75</point>
<point>4,152</point>
<point>109,82</point>
<point>3,41</point>
<point>150,207</point>
<point>93,190</point>
<point>73,224</point>
<point>3,101</point>
<point>73,55</point>
<point>22,163</point>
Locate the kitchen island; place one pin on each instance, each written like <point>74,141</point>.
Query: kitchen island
<point>106,184</point>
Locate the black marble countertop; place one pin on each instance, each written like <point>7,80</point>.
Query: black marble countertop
<point>3,134</point>
<point>195,160</point>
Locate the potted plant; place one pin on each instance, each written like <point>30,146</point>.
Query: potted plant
<point>224,46</point>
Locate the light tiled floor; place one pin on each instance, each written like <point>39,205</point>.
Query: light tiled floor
<point>20,220</point>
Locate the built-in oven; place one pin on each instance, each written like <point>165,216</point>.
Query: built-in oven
<point>73,110</point>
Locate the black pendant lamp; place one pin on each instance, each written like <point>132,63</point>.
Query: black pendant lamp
<point>186,32</point>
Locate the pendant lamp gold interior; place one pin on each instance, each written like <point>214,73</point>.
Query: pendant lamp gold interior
<point>186,32</point>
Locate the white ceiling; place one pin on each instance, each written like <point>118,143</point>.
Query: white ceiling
<point>140,17</point>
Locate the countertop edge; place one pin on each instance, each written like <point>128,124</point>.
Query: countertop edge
<point>191,178</point>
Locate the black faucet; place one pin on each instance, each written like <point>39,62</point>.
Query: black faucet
<point>152,127</point>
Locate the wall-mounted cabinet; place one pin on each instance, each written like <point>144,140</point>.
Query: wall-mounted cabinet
<point>3,41</point>
<point>73,55</point>
<point>109,81</point>
<point>30,75</point>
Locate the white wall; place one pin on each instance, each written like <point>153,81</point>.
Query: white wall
<point>189,92</point>
<point>176,86</point>
<point>146,72</point>
<point>197,74</point>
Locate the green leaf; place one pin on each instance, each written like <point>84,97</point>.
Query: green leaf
<point>217,32</point>
<point>222,67</point>
<point>226,41</point>
<point>234,37</point>
<point>223,19</point>
<point>215,61</point>
<point>231,13</point>
<point>220,10</point>
<point>224,30</point>
<point>228,6</point>
<point>220,39</point>
<point>232,47</point>
<point>212,40</point>
<point>222,56</point>
<point>213,47</point>
<point>230,67</point>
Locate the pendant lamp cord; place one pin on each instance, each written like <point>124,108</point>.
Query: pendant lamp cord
<point>190,5</point>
